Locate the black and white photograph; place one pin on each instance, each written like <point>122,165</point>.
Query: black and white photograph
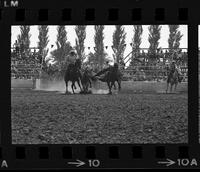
<point>99,84</point>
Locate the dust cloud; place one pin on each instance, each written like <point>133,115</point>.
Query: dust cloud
<point>59,86</point>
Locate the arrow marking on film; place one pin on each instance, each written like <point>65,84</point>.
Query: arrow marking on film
<point>78,163</point>
<point>168,162</point>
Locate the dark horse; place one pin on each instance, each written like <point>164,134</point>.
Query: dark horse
<point>112,75</point>
<point>73,74</point>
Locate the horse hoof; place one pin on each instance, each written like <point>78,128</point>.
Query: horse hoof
<point>110,93</point>
<point>67,93</point>
<point>82,92</point>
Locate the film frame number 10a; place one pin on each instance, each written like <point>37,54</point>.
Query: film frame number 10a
<point>98,84</point>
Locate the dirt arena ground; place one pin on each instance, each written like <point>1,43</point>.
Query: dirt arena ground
<point>50,117</point>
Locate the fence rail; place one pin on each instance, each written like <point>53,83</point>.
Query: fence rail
<point>137,73</point>
<point>151,73</point>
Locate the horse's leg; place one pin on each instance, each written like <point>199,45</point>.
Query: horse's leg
<point>119,85</point>
<point>72,86</point>
<point>87,85</point>
<point>66,84</point>
<point>114,86</point>
<point>84,87</point>
<point>75,85</point>
<point>90,83</point>
<point>108,83</point>
<point>175,86</point>
<point>171,87</point>
<point>167,86</point>
<point>79,84</point>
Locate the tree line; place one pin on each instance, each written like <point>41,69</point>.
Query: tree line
<point>63,46</point>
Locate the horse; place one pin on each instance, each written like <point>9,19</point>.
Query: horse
<point>73,74</point>
<point>112,75</point>
<point>173,79</point>
<point>86,80</point>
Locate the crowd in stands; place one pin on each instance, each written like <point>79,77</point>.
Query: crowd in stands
<point>143,67</point>
<point>24,66</point>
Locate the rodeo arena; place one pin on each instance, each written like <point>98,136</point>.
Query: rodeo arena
<point>124,102</point>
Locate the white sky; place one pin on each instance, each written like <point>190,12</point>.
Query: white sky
<point>108,32</point>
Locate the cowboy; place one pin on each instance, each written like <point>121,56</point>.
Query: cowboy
<point>107,64</point>
<point>72,59</point>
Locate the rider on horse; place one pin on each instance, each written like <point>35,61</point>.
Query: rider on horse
<point>173,67</point>
<point>73,70</point>
<point>73,62</point>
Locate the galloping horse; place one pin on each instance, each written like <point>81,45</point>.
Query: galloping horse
<point>173,79</point>
<point>112,74</point>
<point>73,74</point>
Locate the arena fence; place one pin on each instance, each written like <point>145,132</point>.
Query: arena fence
<point>151,73</point>
<point>139,73</point>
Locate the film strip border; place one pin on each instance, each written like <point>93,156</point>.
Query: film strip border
<point>109,156</point>
<point>44,15</point>
<point>102,12</point>
<point>89,15</point>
